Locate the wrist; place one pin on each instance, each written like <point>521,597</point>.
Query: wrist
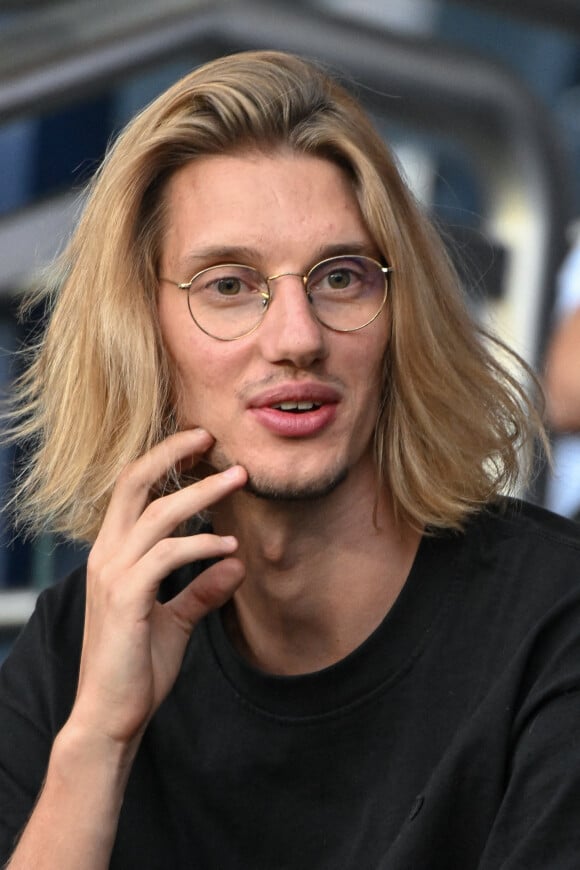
<point>74,822</point>
<point>84,760</point>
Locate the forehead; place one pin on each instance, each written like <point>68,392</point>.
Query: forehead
<point>279,209</point>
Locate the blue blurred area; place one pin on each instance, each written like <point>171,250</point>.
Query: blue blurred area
<point>548,61</point>
<point>16,158</point>
<point>43,156</point>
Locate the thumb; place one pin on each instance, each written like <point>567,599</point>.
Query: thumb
<point>207,592</point>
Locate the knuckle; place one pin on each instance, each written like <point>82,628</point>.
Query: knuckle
<point>156,511</point>
<point>164,550</point>
<point>97,569</point>
<point>203,595</point>
<point>211,487</point>
<point>133,477</point>
<point>94,563</point>
<point>102,572</point>
<point>127,474</point>
<point>206,541</point>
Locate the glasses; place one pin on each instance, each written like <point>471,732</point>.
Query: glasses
<point>229,301</point>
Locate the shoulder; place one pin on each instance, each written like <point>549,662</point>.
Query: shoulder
<point>515,567</point>
<point>38,678</point>
<point>58,617</point>
<point>55,628</point>
<point>514,537</point>
<point>59,611</point>
<point>526,528</point>
<point>521,565</point>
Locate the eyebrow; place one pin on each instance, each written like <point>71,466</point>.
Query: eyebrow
<point>196,260</point>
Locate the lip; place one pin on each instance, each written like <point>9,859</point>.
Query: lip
<point>295,425</point>
<point>320,394</point>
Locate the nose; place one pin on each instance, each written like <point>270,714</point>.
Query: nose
<point>290,332</point>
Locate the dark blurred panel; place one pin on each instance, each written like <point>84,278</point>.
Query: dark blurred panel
<point>69,144</point>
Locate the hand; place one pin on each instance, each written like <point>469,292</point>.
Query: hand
<point>133,646</point>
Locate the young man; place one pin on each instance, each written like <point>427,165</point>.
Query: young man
<point>311,632</point>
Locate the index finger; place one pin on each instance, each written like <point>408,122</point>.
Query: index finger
<point>132,492</point>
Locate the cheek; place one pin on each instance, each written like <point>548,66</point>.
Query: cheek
<point>365,361</point>
<point>380,348</point>
<point>204,381</point>
<point>182,353</point>
<point>196,386</point>
<point>366,370</point>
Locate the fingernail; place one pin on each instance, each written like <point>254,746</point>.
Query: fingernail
<point>232,473</point>
<point>229,542</point>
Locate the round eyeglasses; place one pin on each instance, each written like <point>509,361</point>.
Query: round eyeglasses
<point>229,301</point>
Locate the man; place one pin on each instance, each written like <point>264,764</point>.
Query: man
<point>315,634</point>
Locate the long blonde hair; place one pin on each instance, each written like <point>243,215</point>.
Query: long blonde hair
<point>99,389</point>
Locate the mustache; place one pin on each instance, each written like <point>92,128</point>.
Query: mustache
<point>285,377</point>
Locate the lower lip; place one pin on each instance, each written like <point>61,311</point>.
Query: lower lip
<point>299,425</point>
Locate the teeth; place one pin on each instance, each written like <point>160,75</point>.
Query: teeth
<point>296,406</point>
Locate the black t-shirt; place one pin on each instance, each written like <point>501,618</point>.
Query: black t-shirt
<point>449,740</point>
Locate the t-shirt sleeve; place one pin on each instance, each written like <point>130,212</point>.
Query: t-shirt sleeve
<point>37,688</point>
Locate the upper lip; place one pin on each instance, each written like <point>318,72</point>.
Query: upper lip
<point>319,394</point>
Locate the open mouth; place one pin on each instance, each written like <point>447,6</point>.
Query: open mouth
<point>296,407</point>
<point>296,416</point>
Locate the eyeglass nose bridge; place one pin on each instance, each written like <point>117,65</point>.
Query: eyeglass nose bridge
<point>267,297</point>
<point>303,278</point>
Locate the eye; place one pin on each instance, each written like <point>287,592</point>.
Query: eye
<point>226,283</point>
<point>338,276</point>
<point>230,286</point>
<point>339,279</point>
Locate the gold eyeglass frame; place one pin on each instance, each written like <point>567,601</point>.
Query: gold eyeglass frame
<point>267,297</point>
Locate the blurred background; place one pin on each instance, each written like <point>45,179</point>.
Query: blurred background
<point>480,101</point>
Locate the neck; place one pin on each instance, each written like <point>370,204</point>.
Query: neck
<point>320,575</point>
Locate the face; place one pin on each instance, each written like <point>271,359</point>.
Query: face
<point>278,213</point>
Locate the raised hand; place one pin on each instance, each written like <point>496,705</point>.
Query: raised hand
<point>133,645</point>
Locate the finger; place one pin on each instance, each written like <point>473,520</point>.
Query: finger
<point>209,591</point>
<point>163,515</point>
<point>132,491</point>
<point>135,595</point>
<point>143,581</point>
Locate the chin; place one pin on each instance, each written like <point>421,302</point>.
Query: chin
<point>275,486</point>
<point>273,490</point>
